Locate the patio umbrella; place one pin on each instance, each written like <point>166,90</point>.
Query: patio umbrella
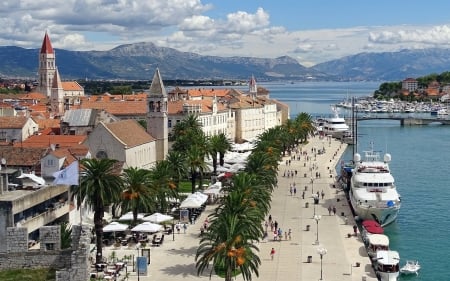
<point>129,217</point>
<point>157,218</point>
<point>191,202</point>
<point>114,227</point>
<point>147,227</point>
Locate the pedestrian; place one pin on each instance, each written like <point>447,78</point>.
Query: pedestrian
<point>285,235</point>
<point>291,190</point>
<point>323,194</point>
<point>355,229</point>
<point>184,228</point>
<point>272,226</point>
<point>329,210</point>
<point>334,210</point>
<point>295,191</point>
<point>303,195</point>
<point>266,224</point>
<point>272,253</point>
<point>178,229</point>
<point>275,224</point>
<point>270,218</point>
<point>290,234</point>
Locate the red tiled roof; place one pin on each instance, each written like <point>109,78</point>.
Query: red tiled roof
<point>71,86</point>
<point>12,122</point>
<point>46,45</point>
<point>130,132</point>
<point>62,141</point>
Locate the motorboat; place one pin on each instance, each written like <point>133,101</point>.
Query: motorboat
<point>335,126</point>
<point>375,243</point>
<point>373,194</point>
<point>411,267</point>
<point>369,227</point>
<point>387,265</point>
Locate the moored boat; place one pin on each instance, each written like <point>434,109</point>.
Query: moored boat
<point>369,227</point>
<point>387,265</point>
<point>377,242</point>
<point>335,126</point>
<point>373,194</point>
<point>411,267</point>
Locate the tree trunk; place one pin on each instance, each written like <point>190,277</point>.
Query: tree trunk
<point>98,224</point>
<point>221,158</point>
<point>193,177</point>
<point>214,162</point>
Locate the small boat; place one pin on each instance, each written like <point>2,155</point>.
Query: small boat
<point>369,227</point>
<point>375,243</point>
<point>411,267</point>
<point>387,265</point>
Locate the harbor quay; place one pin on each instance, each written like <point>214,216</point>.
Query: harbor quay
<point>322,244</point>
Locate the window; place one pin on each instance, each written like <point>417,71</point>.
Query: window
<point>170,123</point>
<point>50,162</point>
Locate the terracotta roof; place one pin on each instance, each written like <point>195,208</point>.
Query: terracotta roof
<point>46,45</point>
<point>71,86</point>
<point>205,92</point>
<point>129,132</point>
<point>12,122</point>
<point>130,105</point>
<point>22,156</point>
<point>46,140</point>
<point>31,96</point>
<point>47,123</point>
<point>176,107</point>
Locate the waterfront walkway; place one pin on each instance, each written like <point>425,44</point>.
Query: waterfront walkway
<point>297,258</point>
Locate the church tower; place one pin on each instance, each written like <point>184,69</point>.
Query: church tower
<point>57,95</point>
<point>157,124</point>
<point>252,88</point>
<point>47,67</point>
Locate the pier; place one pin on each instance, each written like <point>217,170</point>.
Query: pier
<point>406,121</point>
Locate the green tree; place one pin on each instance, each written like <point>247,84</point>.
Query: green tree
<point>99,186</point>
<point>177,166</point>
<point>137,195</point>
<point>163,184</point>
<point>66,235</point>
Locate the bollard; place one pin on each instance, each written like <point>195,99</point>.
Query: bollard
<point>309,259</point>
<point>306,205</point>
<point>306,187</point>
<point>307,227</point>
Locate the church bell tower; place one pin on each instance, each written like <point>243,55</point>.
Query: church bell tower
<point>47,67</point>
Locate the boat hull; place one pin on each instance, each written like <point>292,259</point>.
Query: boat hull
<point>384,216</point>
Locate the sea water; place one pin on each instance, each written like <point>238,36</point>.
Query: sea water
<point>420,165</point>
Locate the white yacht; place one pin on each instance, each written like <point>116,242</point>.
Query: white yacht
<point>373,194</point>
<point>335,126</point>
<point>387,265</point>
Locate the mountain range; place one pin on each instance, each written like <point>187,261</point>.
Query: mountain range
<point>138,62</point>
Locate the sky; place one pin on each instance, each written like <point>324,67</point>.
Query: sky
<point>312,31</point>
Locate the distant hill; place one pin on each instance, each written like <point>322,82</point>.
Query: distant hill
<point>138,61</point>
<point>388,66</point>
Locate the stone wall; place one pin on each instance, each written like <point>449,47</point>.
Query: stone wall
<point>73,263</point>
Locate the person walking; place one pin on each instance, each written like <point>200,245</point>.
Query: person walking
<point>334,210</point>
<point>295,191</point>
<point>329,210</point>
<point>272,253</point>
<point>323,194</point>
<point>290,234</point>
<point>184,228</point>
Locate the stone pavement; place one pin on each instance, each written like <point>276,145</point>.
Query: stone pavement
<point>295,259</point>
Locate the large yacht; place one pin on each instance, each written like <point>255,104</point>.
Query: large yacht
<point>335,126</point>
<point>373,194</point>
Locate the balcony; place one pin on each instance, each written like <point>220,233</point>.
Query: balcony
<point>51,214</point>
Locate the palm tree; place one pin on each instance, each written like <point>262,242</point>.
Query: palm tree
<point>163,185</point>
<point>196,163</point>
<point>137,195</point>
<point>305,126</point>
<point>185,132</point>
<point>228,243</point>
<point>177,166</point>
<point>99,186</point>
<point>219,144</point>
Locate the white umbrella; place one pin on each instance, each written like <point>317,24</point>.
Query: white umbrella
<point>157,218</point>
<point>115,226</point>
<point>147,227</point>
<point>129,217</point>
<point>191,202</point>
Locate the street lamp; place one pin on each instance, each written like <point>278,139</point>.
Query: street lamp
<point>137,262</point>
<point>321,251</point>
<point>315,199</point>
<point>312,184</point>
<point>317,219</point>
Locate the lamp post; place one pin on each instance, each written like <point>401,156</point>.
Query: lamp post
<point>317,219</point>
<point>322,252</point>
<point>315,198</point>
<point>312,184</point>
<point>137,262</point>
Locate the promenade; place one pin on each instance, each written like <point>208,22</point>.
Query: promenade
<point>297,258</point>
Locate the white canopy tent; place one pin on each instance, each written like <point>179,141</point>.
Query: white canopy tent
<point>115,226</point>
<point>190,203</point>
<point>157,218</point>
<point>129,216</point>
<point>147,227</point>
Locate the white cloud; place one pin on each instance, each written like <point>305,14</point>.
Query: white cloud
<point>186,26</point>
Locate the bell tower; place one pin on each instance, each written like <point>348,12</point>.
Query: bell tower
<point>47,67</point>
<point>157,125</point>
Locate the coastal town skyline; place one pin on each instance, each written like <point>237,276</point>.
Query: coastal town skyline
<point>311,32</point>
